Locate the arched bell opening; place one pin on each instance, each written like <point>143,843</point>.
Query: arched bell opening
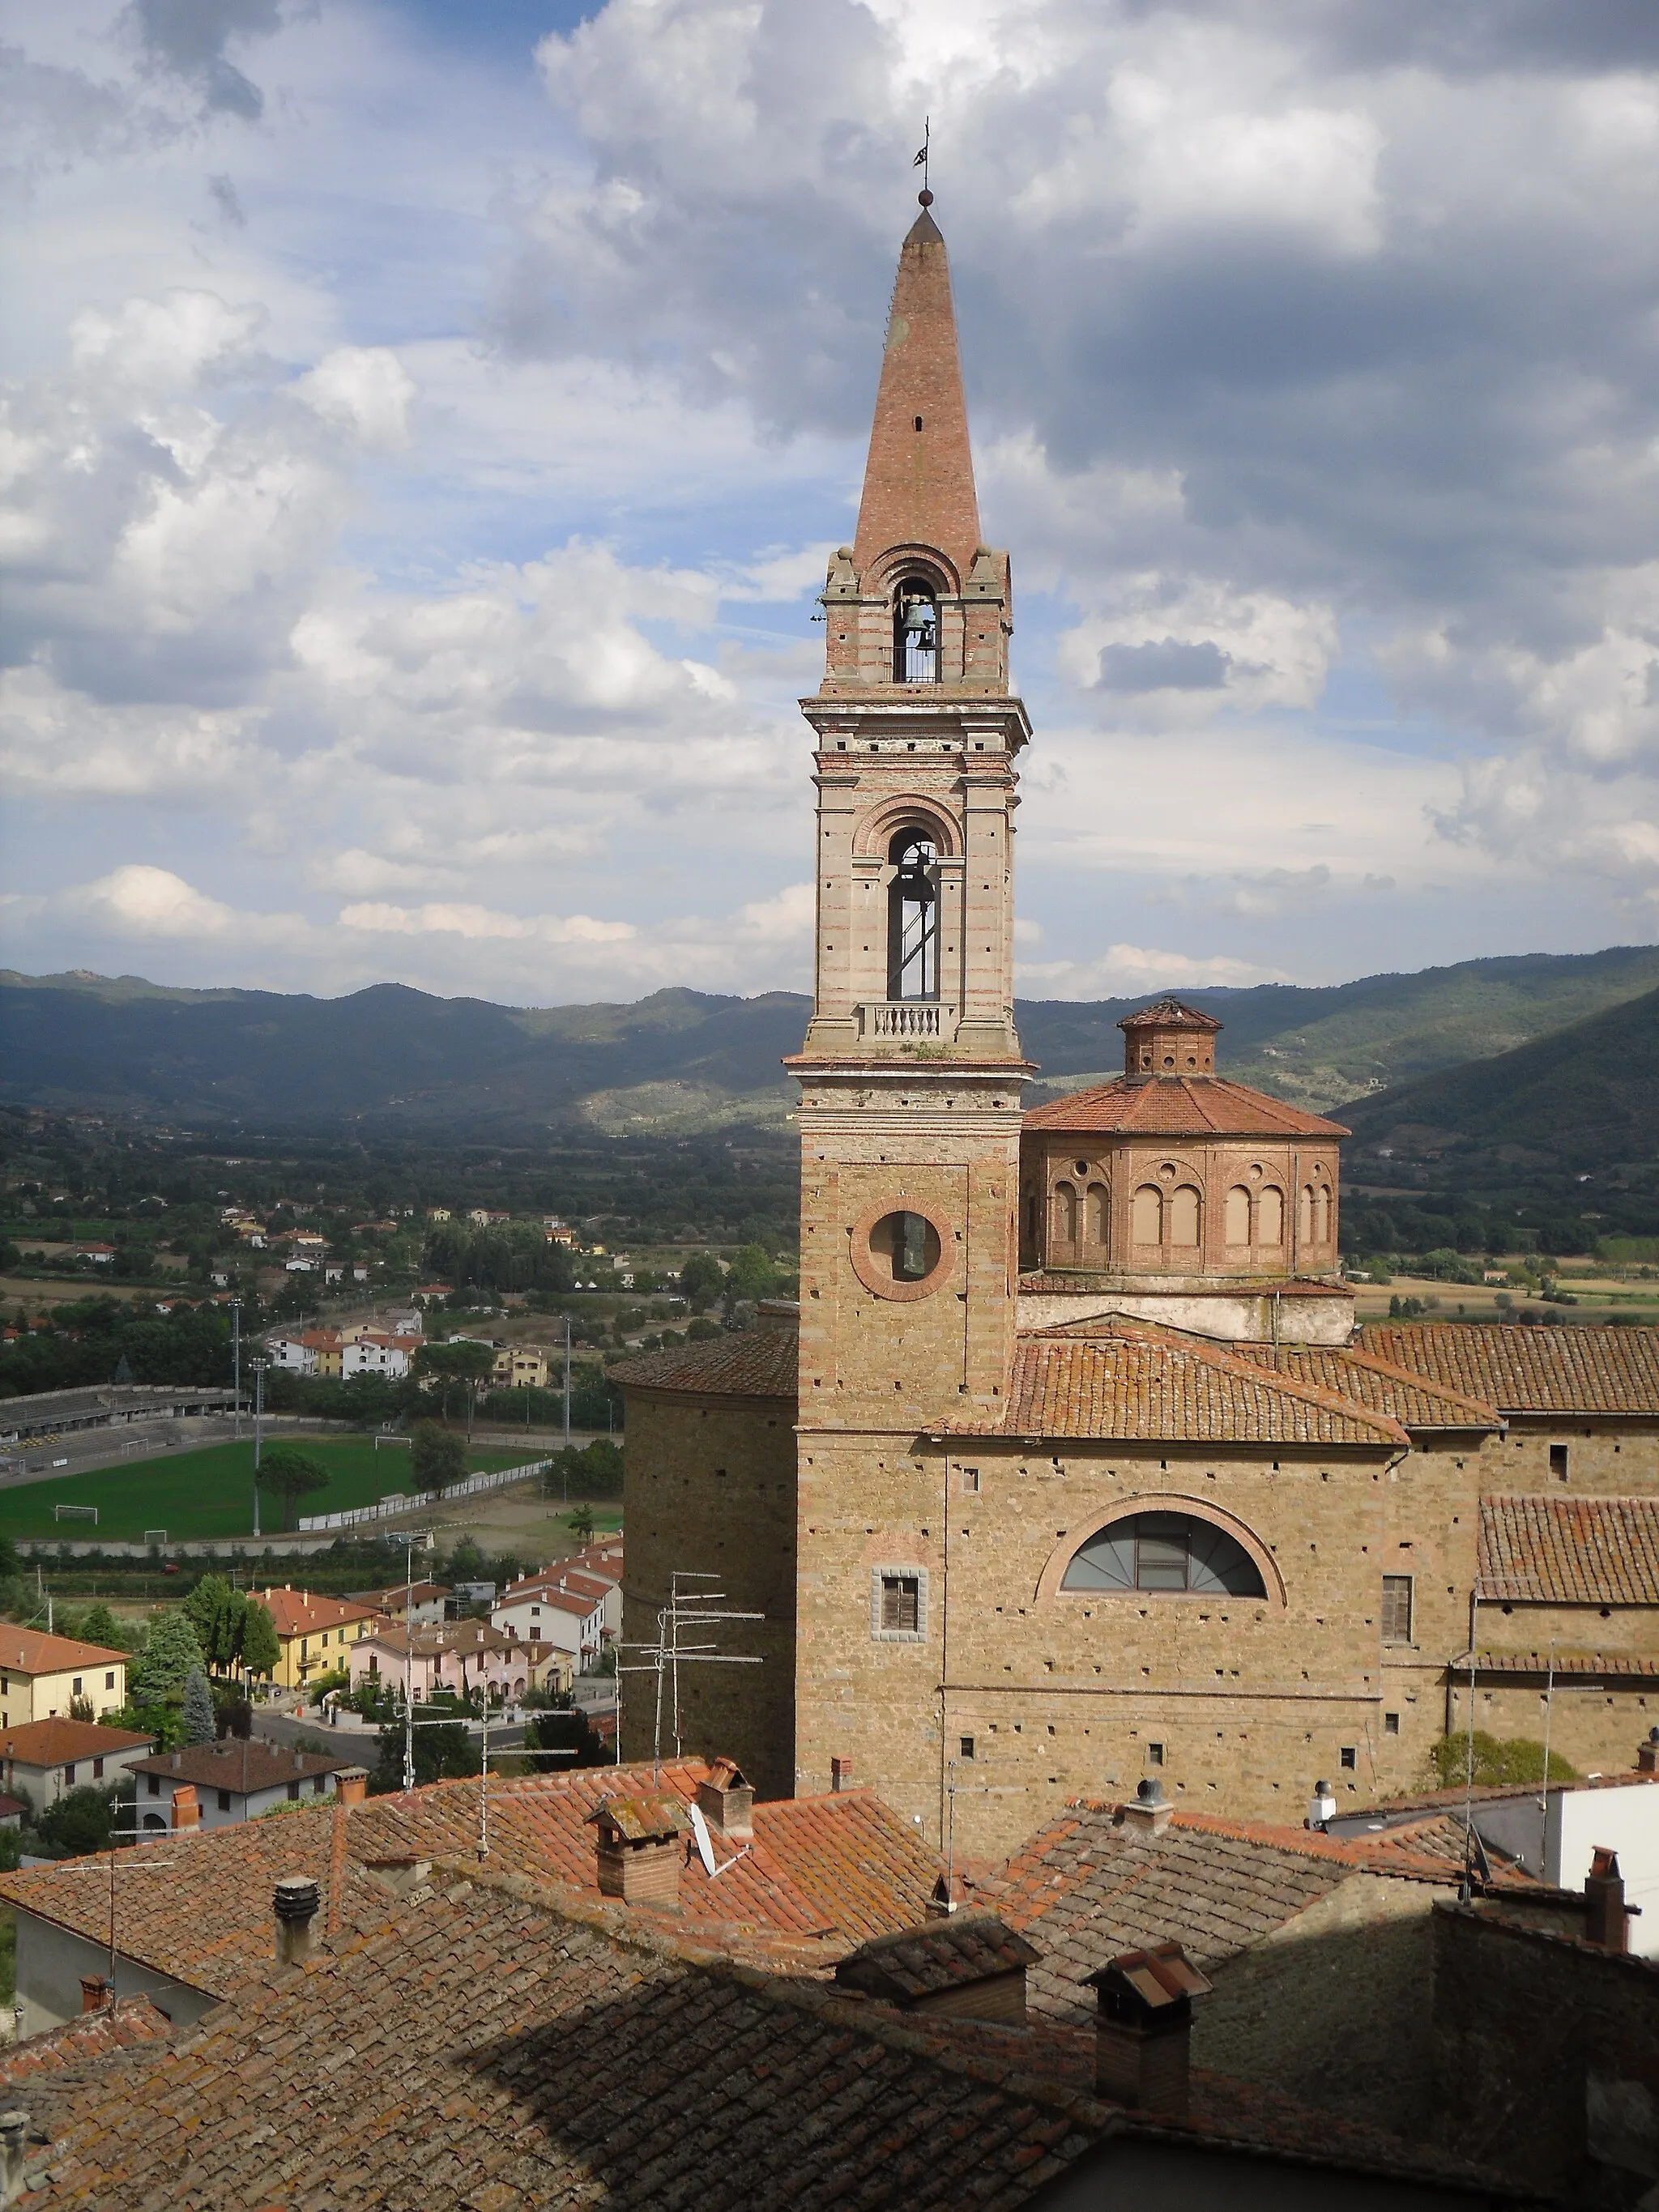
<point>913,916</point>
<point>916,634</point>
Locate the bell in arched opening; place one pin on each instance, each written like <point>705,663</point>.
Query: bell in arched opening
<point>913,917</point>
<point>916,635</point>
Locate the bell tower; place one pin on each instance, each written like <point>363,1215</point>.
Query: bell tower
<point>911,1071</point>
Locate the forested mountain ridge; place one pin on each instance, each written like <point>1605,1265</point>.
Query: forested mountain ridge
<point>391,1057</point>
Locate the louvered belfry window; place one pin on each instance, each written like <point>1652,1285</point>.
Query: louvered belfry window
<point>1396,1608</point>
<point>901,1603</point>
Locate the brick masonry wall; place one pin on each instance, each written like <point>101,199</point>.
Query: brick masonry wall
<point>1545,2059</point>
<point>710,1484</point>
<point>1594,1726</point>
<point>1066,1694</point>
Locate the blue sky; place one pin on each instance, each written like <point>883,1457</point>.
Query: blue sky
<point>425,426</point>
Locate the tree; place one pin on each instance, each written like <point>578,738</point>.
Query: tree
<point>441,1753</point>
<point>563,1733</point>
<point>217,1612</point>
<point>435,1457</point>
<point>261,1649</point>
<point>78,1824</point>
<point>581,1524</point>
<point>201,1723</point>
<point>703,1280</point>
<point>290,1474</point>
<point>99,1625</point>
<point>463,1360</point>
<point>171,1654</point>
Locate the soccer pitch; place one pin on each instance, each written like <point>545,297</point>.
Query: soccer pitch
<point>208,1495</point>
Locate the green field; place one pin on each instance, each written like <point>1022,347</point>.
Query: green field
<point>210,1494</point>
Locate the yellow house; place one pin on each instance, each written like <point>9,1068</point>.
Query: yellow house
<point>518,1363</point>
<point>314,1634</point>
<point>40,1675</point>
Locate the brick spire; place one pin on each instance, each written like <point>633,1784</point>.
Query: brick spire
<point>919,480</point>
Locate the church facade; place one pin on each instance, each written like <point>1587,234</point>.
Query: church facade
<point>1070,1468</point>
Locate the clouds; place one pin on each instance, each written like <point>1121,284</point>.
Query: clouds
<point>419,461</point>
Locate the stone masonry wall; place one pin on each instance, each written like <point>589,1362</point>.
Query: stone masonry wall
<point>1237,1705</point>
<point>709,1485</point>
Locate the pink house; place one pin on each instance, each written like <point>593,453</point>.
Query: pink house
<point>458,1656</point>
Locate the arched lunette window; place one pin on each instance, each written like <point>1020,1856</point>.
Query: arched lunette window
<point>913,917</point>
<point>916,635</point>
<point>1165,1552</point>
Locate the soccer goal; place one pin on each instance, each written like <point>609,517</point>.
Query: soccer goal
<point>155,1536</point>
<point>75,1513</point>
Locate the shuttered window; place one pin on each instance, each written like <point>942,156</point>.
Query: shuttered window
<point>901,1603</point>
<point>1396,1608</point>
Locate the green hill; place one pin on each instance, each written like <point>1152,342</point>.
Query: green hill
<point>683,1060</point>
<point>1581,1099</point>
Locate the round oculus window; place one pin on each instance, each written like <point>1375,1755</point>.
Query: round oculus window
<point>901,1252</point>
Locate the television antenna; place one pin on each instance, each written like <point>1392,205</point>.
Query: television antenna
<point>686,1608</point>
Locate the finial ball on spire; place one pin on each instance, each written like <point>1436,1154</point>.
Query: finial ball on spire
<point>924,197</point>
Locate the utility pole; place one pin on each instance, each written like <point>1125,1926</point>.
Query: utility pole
<point>567,1400</point>
<point>258,1367</point>
<point>236,1360</point>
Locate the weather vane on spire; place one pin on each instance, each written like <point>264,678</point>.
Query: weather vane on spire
<point>921,162</point>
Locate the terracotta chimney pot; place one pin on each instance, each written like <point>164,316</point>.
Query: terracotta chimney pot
<point>186,1812</point>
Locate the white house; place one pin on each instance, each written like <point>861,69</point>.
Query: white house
<point>572,1618</point>
<point>213,1785</point>
<point>375,1354</point>
<point>45,1759</point>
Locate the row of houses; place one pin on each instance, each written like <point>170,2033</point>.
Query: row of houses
<point>356,1348</point>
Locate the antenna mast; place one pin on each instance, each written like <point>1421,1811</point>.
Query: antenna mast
<point>669,1654</point>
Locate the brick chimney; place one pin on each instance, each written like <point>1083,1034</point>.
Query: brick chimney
<point>1143,2034</point>
<point>841,1775</point>
<point>295,1903</point>
<point>186,1812</point>
<point>1607,1916</point>
<point>351,1784</point>
<point>639,1850</point>
<point>726,1801</point>
<point>1647,1757</point>
<point>1151,1812</point>
<point>93,1992</point>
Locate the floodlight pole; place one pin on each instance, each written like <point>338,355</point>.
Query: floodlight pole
<point>566,1402</point>
<point>258,1367</point>
<point>236,1362</point>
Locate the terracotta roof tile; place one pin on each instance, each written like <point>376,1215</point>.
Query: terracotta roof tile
<point>1412,1400</point>
<point>32,1651</point>
<point>1178,1106</point>
<point>56,1741</point>
<point>1114,1380</point>
<point>836,1869</point>
<point>944,1953</point>
<point>1528,1370</point>
<point>1570,1551</point>
<point>303,1613</point>
<point>483,2049</point>
<point>1611,1665</point>
<point>752,1363</point>
<point>242,1763</point>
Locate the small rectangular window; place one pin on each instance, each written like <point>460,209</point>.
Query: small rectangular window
<point>1349,1756</point>
<point>153,1785</point>
<point>1391,1724</point>
<point>1558,1462</point>
<point>109,1681</point>
<point>970,1478</point>
<point>900,1603</point>
<point>1154,1754</point>
<point>224,1801</point>
<point>967,1746</point>
<point>293,1793</point>
<point>68,1777</point>
<point>1396,1608</point>
<point>97,1769</point>
<point>76,1690</point>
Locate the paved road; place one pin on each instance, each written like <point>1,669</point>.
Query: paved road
<point>282,1728</point>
